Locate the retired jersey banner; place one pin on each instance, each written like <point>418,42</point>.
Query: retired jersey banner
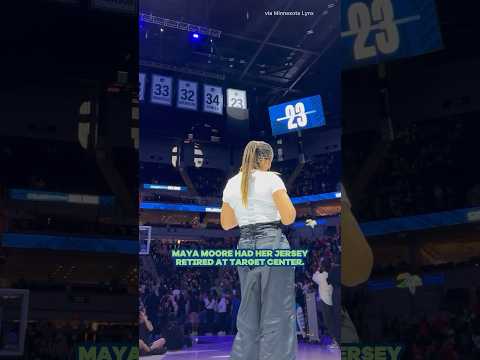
<point>161,90</point>
<point>376,31</point>
<point>187,95</point>
<point>212,99</point>
<point>237,98</point>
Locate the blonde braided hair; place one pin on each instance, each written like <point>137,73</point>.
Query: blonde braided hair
<point>254,153</point>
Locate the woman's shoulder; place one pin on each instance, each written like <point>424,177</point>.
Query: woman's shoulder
<point>270,174</point>
<point>234,178</point>
<point>275,178</point>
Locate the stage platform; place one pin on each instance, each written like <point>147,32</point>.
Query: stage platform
<point>218,348</point>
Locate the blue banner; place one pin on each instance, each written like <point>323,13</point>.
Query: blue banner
<point>297,115</point>
<point>69,243</point>
<point>164,187</point>
<point>316,197</point>
<point>421,222</point>
<point>153,205</point>
<point>36,195</point>
<point>40,195</point>
<point>375,31</point>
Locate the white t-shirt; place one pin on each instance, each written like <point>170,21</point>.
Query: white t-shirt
<point>222,305</point>
<point>210,304</point>
<point>260,207</point>
<point>325,290</point>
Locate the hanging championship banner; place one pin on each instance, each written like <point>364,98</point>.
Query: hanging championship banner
<point>141,86</point>
<point>375,31</point>
<point>237,98</point>
<point>187,95</point>
<point>212,99</point>
<point>161,90</point>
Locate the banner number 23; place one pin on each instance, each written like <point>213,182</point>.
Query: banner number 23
<point>361,20</point>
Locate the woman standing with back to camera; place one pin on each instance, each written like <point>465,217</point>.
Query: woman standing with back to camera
<point>257,201</point>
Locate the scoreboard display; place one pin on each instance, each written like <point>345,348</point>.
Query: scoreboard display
<point>297,115</point>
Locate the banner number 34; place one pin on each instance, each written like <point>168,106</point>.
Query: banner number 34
<point>363,20</point>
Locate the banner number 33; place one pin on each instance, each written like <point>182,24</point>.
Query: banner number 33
<point>362,20</point>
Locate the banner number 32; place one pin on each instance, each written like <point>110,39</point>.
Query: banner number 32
<point>361,20</point>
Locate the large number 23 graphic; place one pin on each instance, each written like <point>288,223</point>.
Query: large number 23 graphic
<point>360,21</point>
<point>296,116</point>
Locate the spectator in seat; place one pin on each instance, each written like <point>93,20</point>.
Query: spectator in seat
<point>147,344</point>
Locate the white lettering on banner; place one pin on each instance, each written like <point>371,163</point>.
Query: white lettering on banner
<point>296,116</point>
<point>187,95</point>
<point>141,86</point>
<point>380,18</point>
<point>212,99</point>
<point>237,98</point>
<point>161,90</point>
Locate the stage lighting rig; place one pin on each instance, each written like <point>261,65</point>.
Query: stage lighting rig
<point>180,25</point>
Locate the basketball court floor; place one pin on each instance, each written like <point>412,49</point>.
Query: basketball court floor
<point>218,348</point>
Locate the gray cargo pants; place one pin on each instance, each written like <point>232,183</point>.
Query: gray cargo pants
<point>266,320</point>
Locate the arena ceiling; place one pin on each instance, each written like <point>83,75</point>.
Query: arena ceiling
<point>280,54</point>
<point>48,41</point>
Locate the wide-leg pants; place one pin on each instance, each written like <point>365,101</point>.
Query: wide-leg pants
<point>266,320</point>
<point>328,317</point>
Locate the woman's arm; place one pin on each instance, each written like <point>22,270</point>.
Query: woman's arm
<point>148,323</point>
<point>357,256</point>
<point>227,217</point>
<point>285,207</point>
<point>144,319</point>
